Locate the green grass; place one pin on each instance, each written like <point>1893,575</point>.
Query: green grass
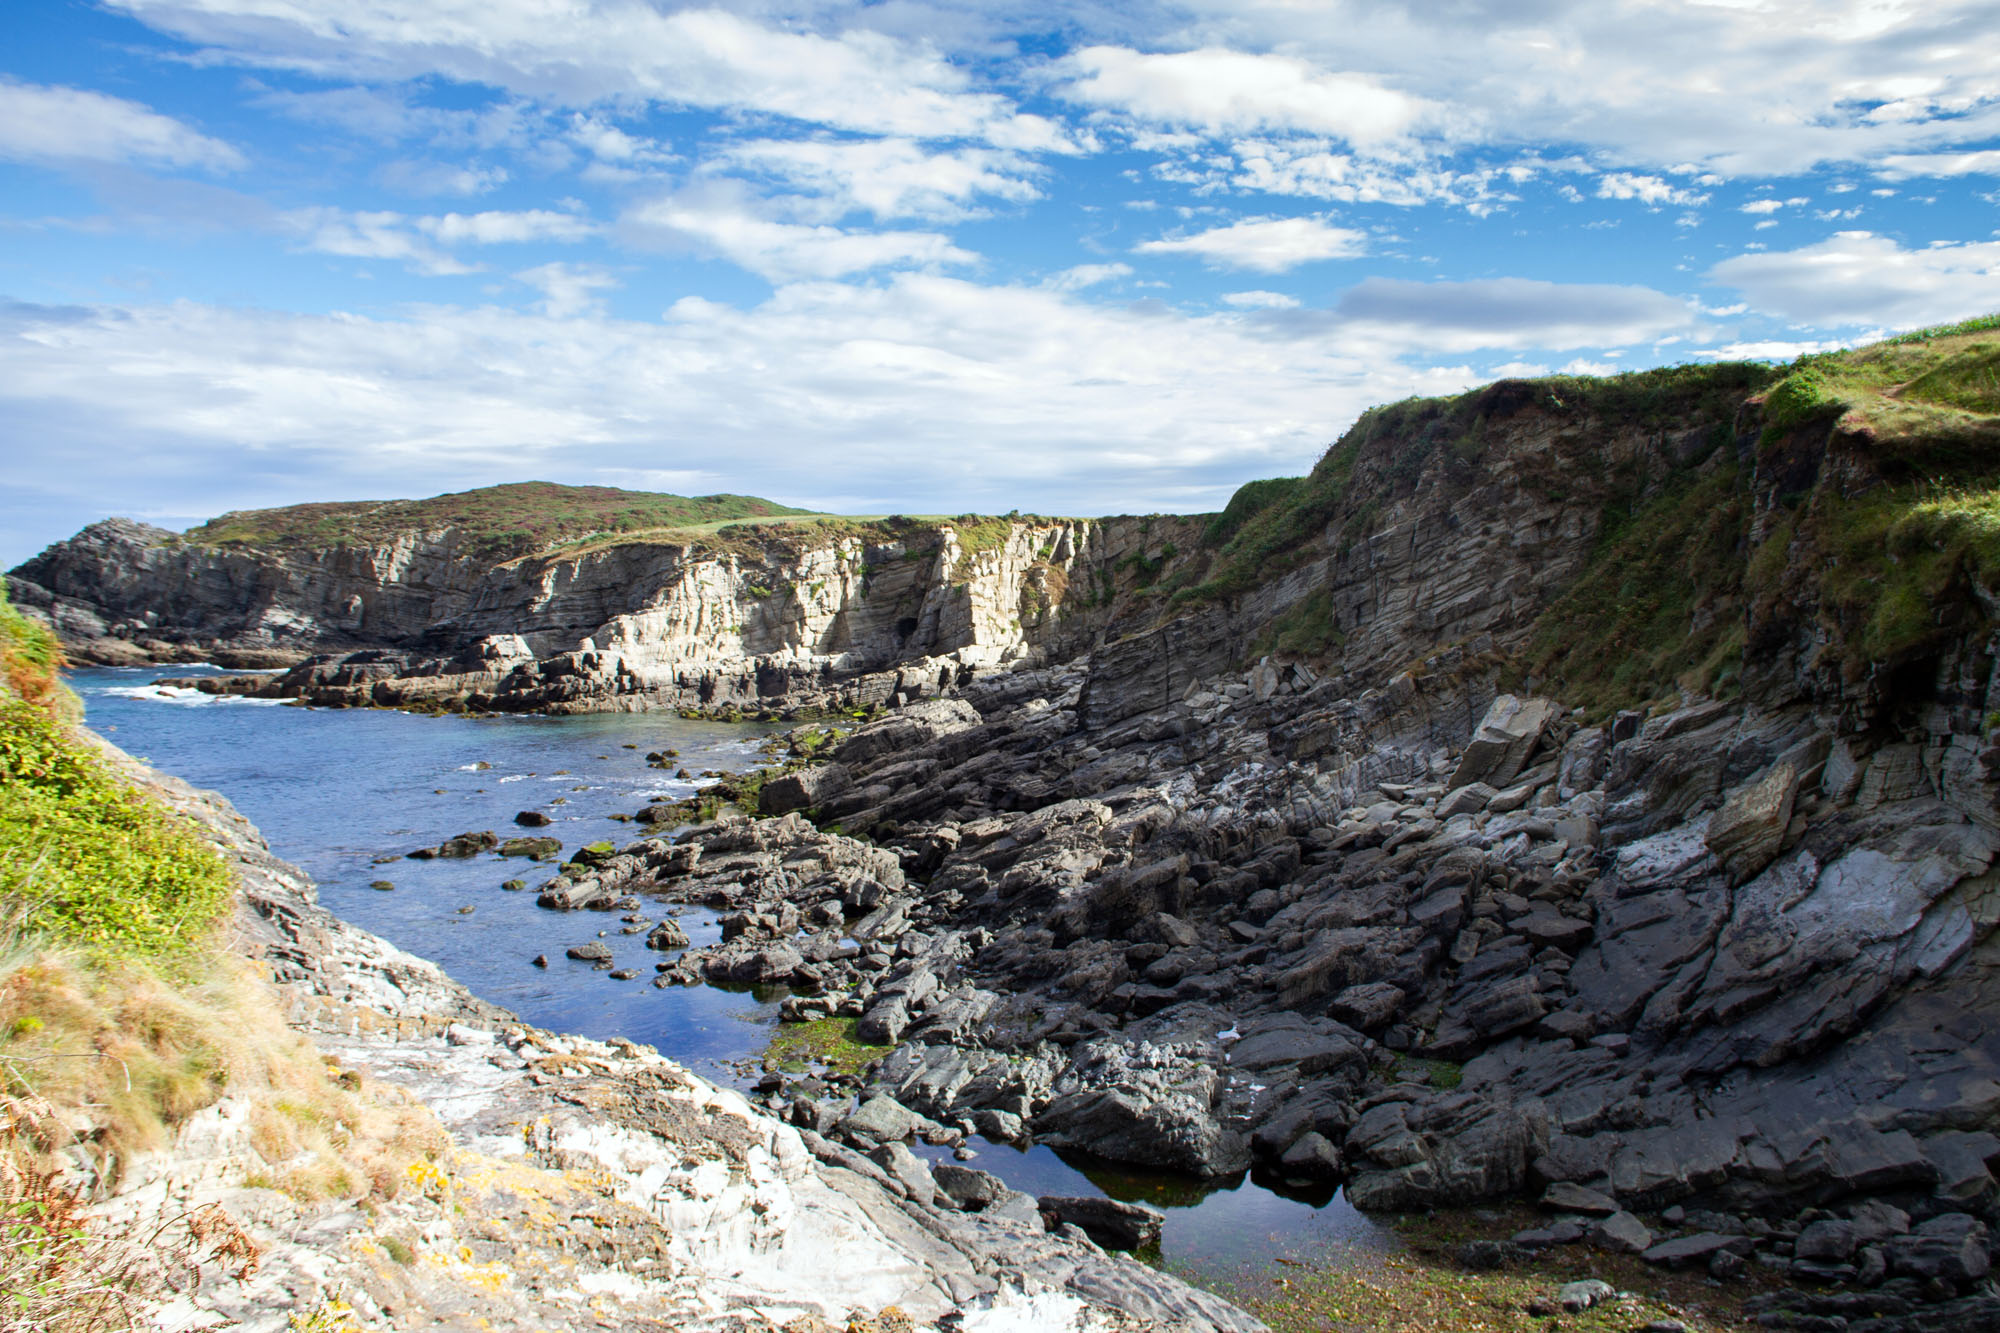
<point>1626,631</point>
<point>89,861</point>
<point>497,521</point>
<point>828,1043</point>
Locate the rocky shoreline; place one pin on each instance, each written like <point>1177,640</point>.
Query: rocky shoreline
<point>1710,984</point>
<point>587,1181</point>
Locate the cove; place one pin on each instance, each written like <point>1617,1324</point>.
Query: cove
<point>346,793</point>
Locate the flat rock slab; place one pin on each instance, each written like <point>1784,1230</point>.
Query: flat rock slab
<point>1112,1223</point>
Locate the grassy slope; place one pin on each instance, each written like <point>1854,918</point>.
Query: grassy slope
<point>1883,549</point>
<point>1880,508</point>
<point>498,521</point>
<point>123,1012</point>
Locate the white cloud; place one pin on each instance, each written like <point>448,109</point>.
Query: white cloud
<point>54,125</point>
<point>717,223</point>
<point>1512,312</point>
<point>585,55</point>
<point>1267,245</point>
<point>1225,91</point>
<point>1649,190</point>
<point>1087,275</point>
<point>505,228</point>
<point>370,235</point>
<point>1858,278</point>
<point>365,234</point>
<point>1261,300</point>
<point>568,290</point>
<point>1902,166</point>
<point>1739,89</point>
<point>918,393</point>
<point>1761,206</point>
<point>888,178</point>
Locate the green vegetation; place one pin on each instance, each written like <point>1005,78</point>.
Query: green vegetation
<point>1627,627</point>
<point>123,1011</point>
<point>1306,629</point>
<point>1421,1288</point>
<point>827,1043</point>
<point>84,856</point>
<point>493,521</point>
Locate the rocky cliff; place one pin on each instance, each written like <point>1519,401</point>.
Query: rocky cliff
<point>1579,788</point>
<point>753,614</point>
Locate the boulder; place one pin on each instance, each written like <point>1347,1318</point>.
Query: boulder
<point>1503,741</point>
<point>1369,1007</point>
<point>1112,1223</point>
<point>803,789</point>
<point>1951,1247</point>
<point>1747,831</point>
<point>535,849</point>
<point>880,1120</point>
<point>967,1187</point>
<point>532,819</point>
<point>667,935</point>
<point>1623,1233</point>
<point>1313,1156</point>
<point>589,953</point>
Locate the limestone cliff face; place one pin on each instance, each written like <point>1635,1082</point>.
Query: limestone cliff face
<point>624,624</point>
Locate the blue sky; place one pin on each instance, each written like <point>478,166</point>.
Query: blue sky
<point>923,256</point>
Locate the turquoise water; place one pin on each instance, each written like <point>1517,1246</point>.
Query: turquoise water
<point>345,793</point>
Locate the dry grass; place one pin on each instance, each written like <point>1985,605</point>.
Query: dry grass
<point>129,1054</point>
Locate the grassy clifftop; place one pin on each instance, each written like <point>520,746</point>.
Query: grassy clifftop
<point>1843,508</point>
<point>496,521</point>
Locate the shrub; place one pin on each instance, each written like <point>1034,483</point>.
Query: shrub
<point>90,861</point>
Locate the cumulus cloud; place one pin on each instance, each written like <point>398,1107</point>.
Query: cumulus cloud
<point>1857,278</point>
<point>1087,275</point>
<point>568,290</point>
<point>1902,166</point>
<point>1512,312</point>
<point>1649,190</point>
<point>1261,300</point>
<point>720,224</point>
<point>46,124</point>
<point>1226,91</point>
<point>1266,245</point>
<point>587,55</point>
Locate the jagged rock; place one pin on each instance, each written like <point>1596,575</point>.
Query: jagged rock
<point>1623,1233</point>
<point>589,953</point>
<point>1746,832</point>
<point>1567,1197</point>
<point>1697,1248</point>
<point>803,789</point>
<point>458,848</point>
<point>1112,1223</point>
<point>1370,1007</point>
<point>667,935</point>
<point>535,849</point>
<point>1951,1247</point>
<point>880,1120</point>
<point>1313,1156</point>
<point>1502,742</point>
